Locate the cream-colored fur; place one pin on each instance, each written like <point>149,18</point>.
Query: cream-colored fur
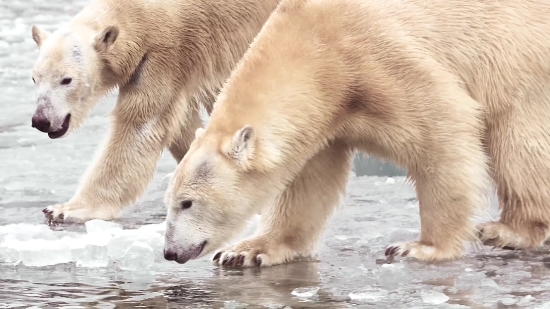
<point>455,91</point>
<point>166,58</point>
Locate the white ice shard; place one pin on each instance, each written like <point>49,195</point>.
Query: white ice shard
<point>433,297</point>
<point>101,226</point>
<point>305,292</point>
<point>370,295</point>
<point>138,257</point>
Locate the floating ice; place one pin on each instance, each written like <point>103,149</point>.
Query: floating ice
<point>25,231</point>
<point>508,301</point>
<point>305,292</point>
<point>100,226</point>
<point>232,304</point>
<point>490,283</point>
<point>390,275</point>
<point>139,257</point>
<point>370,295</point>
<point>38,245</point>
<point>390,181</point>
<point>433,297</point>
<point>103,244</point>
<point>525,301</point>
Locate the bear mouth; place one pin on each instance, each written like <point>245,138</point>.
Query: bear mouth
<point>191,255</point>
<point>63,130</point>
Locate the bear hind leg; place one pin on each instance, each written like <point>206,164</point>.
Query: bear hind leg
<point>519,148</point>
<point>451,184</point>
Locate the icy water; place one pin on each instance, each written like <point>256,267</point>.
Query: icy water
<point>120,264</point>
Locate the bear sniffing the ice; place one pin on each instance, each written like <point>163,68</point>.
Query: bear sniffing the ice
<point>455,91</point>
<point>166,57</point>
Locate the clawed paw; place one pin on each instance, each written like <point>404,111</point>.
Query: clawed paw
<point>396,250</point>
<point>255,252</point>
<point>422,252</point>
<point>75,212</point>
<point>499,235</point>
<point>242,259</point>
<point>53,215</point>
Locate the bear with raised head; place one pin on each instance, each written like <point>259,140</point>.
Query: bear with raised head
<point>455,91</point>
<point>165,57</point>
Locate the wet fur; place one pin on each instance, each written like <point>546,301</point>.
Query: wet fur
<point>454,91</point>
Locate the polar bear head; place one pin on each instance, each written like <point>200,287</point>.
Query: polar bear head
<point>70,76</point>
<point>212,194</point>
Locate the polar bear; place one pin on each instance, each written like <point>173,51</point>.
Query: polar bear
<point>455,91</point>
<point>166,58</point>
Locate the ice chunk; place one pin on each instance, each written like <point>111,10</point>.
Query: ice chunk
<point>153,228</point>
<point>233,304</point>
<point>117,246</point>
<point>305,292</point>
<point>390,275</point>
<point>508,301</point>
<point>370,295</point>
<point>138,257</point>
<point>9,255</point>
<point>101,226</point>
<point>433,297</point>
<point>91,256</point>
<point>390,181</point>
<point>25,231</point>
<point>525,301</point>
<point>38,245</point>
<point>490,283</point>
<point>44,255</point>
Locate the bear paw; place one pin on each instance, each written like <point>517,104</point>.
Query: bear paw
<point>422,252</point>
<point>258,252</point>
<point>500,235</point>
<point>54,214</point>
<point>59,213</point>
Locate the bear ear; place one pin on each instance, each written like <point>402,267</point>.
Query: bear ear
<point>105,38</point>
<point>199,132</point>
<point>39,35</point>
<point>241,147</point>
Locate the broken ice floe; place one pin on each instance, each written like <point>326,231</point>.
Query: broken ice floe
<point>104,243</point>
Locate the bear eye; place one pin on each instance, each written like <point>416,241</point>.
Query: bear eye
<point>186,204</point>
<point>66,81</point>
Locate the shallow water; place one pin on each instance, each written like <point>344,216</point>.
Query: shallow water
<point>124,268</point>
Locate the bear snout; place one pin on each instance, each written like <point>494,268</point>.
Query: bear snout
<point>170,255</point>
<point>41,122</point>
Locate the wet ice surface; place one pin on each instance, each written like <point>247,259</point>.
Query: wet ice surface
<point>106,264</point>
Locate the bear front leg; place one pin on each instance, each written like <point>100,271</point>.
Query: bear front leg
<point>292,226</point>
<point>450,186</point>
<point>124,167</point>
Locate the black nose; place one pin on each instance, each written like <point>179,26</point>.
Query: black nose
<point>170,255</point>
<point>40,122</point>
